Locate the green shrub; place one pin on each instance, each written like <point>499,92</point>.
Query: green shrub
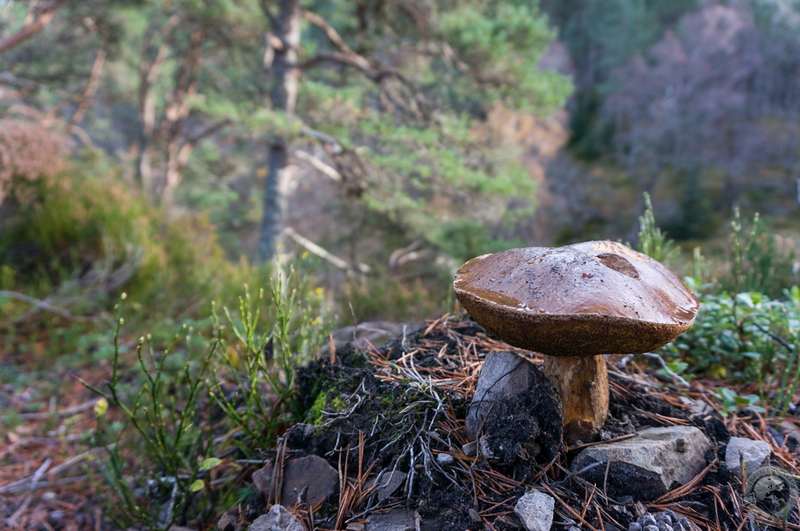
<point>210,397</point>
<point>746,337</point>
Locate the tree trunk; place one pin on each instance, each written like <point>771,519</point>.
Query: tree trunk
<point>177,112</point>
<point>283,93</point>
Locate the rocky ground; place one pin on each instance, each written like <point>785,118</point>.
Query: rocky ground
<point>385,447</point>
<point>388,431</point>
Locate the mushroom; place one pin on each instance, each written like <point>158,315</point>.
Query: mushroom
<point>574,304</point>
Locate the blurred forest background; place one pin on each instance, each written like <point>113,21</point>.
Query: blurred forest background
<point>168,148</point>
<point>199,196</point>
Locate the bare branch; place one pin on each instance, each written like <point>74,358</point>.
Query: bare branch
<point>319,165</point>
<point>336,147</point>
<point>331,33</point>
<point>91,88</point>
<point>195,139</point>
<point>67,412</point>
<point>41,18</point>
<point>44,305</point>
<point>322,253</point>
<point>412,101</point>
<point>356,62</point>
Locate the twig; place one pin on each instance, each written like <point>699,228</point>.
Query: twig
<point>47,484</point>
<point>654,356</point>
<point>322,253</point>
<point>569,509</point>
<point>320,166</point>
<point>44,305</point>
<point>785,344</point>
<point>33,479</point>
<point>577,472</point>
<point>68,412</point>
<point>687,488</point>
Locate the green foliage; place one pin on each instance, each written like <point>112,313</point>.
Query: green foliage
<point>383,296</point>
<point>262,365</point>
<point>746,337</point>
<point>172,461</point>
<point>757,261</point>
<point>652,241</point>
<point>165,418</point>
<point>731,402</point>
<point>95,234</point>
<point>696,217</point>
<point>501,43</point>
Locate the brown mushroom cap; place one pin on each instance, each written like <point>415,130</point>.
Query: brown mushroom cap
<point>585,299</point>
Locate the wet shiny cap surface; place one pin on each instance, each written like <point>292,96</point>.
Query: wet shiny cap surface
<point>574,300</point>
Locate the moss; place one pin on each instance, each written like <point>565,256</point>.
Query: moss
<point>314,415</point>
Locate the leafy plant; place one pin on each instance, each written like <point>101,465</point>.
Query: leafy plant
<point>746,337</point>
<point>652,241</point>
<point>757,262</point>
<point>731,402</point>
<point>261,366</point>
<point>188,412</point>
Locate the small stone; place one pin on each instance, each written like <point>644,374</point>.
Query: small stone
<point>635,526</point>
<point>485,447</point>
<point>312,473</point>
<point>470,449</point>
<point>683,524</point>
<point>535,510</point>
<point>227,522</point>
<point>394,520</point>
<point>277,519</point>
<point>388,482</point>
<point>651,528</point>
<point>647,466</point>
<point>752,453</point>
<point>502,376</point>
<point>445,460</point>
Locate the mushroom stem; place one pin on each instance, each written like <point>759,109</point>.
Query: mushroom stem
<point>582,384</point>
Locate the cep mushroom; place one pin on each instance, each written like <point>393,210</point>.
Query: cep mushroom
<point>574,304</point>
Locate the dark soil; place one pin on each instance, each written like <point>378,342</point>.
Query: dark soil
<point>402,407</point>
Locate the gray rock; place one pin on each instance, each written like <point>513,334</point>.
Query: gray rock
<point>445,460</point>
<point>394,520</point>
<point>470,449</point>
<point>535,511</point>
<point>312,473</point>
<point>503,375</point>
<point>791,435</point>
<point>277,519</point>
<point>387,482</point>
<point>227,522</point>
<point>753,453</point>
<point>649,465</point>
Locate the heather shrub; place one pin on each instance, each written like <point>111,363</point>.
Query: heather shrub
<point>82,237</point>
<point>27,152</point>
